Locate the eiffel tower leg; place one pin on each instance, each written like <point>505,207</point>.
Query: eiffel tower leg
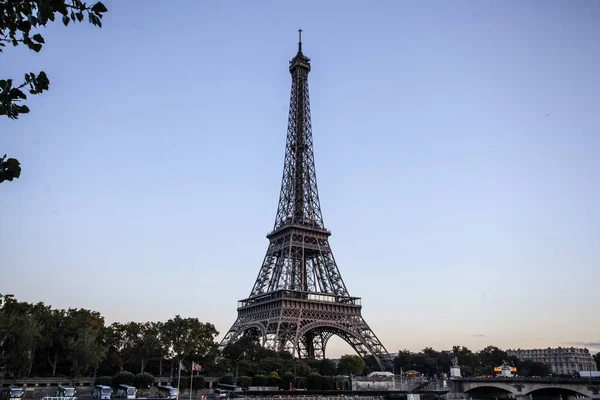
<point>355,331</point>
<point>309,340</point>
<point>231,335</point>
<point>366,343</point>
<point>242,326</point>
<point>320,340</point>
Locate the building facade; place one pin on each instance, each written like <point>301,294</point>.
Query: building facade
<point>562,360</point>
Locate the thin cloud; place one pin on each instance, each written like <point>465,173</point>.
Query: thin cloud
<point>478,335</point>
<point>591,345</point>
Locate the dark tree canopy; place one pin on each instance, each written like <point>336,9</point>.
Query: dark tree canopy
<point>351,364</point>
<point>36,340</point>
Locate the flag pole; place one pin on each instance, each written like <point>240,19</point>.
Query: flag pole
<point>191,380</point>
<point>179,377</point>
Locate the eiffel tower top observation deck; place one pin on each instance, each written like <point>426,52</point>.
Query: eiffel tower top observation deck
<point>299,299</point>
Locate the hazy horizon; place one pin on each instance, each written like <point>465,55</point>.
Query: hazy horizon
<point>456,146</point>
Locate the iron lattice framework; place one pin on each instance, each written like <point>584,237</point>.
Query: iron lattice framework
<point>299,300</point>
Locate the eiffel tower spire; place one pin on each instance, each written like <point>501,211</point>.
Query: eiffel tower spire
<point>299,197</point>
<point>309,265</point>
<point>299,299</point>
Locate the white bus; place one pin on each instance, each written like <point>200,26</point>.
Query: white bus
<point>101,392</point>
<point>126,392</point>
<point>9,393</point>
<point>65,391</point>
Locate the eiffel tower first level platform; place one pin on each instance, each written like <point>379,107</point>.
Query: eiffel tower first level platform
<point>299,300</point>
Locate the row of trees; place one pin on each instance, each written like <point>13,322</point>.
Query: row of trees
<point>37,340</point>
<point>481,363</point>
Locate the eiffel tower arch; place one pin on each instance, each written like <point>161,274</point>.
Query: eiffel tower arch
<point>299,300</point>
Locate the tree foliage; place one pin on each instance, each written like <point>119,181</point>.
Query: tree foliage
<point>20,22</point>
<point>10,168</point>
<point>143,380</point>
<point>244,381</point>
<point>85,352</point>
<point>351,364</point>
<point>103,380</point>
<point>36,340</point>
<point>191,340</point>
<point>431,362</point>
<point>123,378</point>
<point>531,368</point>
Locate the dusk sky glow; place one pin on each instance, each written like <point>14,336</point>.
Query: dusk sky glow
<point>457,150</point>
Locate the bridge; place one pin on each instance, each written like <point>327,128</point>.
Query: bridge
<point>525,388</point>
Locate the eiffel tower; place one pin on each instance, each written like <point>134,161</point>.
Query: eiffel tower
<point>299,300</point>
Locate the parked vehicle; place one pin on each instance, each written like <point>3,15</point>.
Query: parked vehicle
<point>8,393</point>
<point>101,392</point>
<point>587,374</point>
<point>167,392</point>
<point>65,391</point>
<point>126,392</point>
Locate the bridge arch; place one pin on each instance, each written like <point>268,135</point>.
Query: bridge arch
<point>545,390</point>
<point>489,387</point>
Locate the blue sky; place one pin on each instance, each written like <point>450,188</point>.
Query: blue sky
<point>457,149</point>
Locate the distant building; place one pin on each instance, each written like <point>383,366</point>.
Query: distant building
<point>562,360</point>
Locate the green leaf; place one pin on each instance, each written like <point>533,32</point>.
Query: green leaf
<point>9,169</point>
<point>38,38</point>
<point>42,81</point>
<point>79,16</point>
<point>94,20</point>
<point>24,26</point>
<point>23,109</point>
<point>12,163</point>
<point>35,47</point>
<point>65,20</point>
<point>99,8</point>
<point>18,94</point>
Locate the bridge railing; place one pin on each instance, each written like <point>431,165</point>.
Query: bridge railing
<point>517,379</point>
<point>313,397</point>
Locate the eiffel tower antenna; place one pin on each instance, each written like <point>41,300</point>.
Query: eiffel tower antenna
<point>299,300</point>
